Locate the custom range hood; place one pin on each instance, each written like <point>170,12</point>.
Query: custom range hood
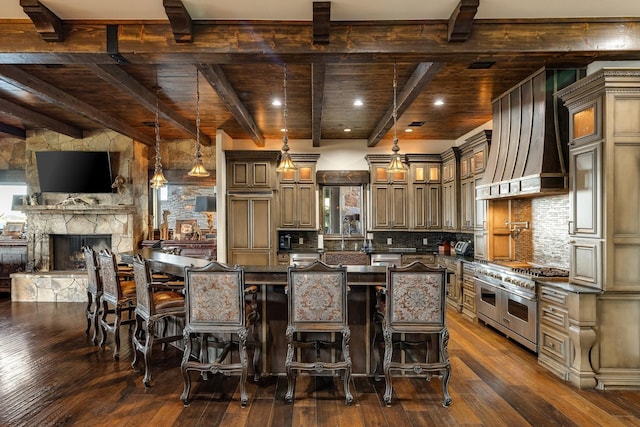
<point>529,145</point>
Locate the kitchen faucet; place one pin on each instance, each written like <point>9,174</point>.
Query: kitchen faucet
<point>346,228</point>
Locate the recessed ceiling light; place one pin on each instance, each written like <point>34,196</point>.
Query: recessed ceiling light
<point>438,102</point>
<point>347,129</point>
<point>282,129</point>
<point>408,130</point>
<point>358,103</point>
<point>276,103</point>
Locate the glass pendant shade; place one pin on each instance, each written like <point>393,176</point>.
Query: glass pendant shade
<point>198,169</point>
<point>158,179</point>
<point>396,164</point>
<point>286,164</point>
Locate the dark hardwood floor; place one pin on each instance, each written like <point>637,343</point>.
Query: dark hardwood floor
<point>51,375</point>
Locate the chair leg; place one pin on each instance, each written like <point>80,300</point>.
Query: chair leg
<point>388,354</point>
<point>257,350</point>
<point>183,367</point>
<point>89,312</point>
<point>116,333</point>
<point>346,338</point>
<point>242,350</point>
<point>135,340</point>
<point>375,346</point>
<point>103,322</point>
<point>291,380</point>
<point>96,322</point>
<point>444,354</point>
<point>148,346</point>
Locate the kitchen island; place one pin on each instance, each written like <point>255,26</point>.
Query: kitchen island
<point>272,300</point>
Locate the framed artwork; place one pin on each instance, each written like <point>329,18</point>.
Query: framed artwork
<point>186,228</point>
<point>13,229</point>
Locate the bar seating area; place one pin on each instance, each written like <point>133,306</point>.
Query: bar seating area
<point>214,318</point>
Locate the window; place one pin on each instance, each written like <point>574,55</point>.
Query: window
<point>342,210</point>
<point>8,205</point>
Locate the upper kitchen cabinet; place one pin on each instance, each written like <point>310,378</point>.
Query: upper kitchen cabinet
<point>604,223</point>
<point>251,170</point>
<point>425,192</point>
<point>389,195</point>
<point>297,194</point>
<point>472,161</point>
<point>450,188</point>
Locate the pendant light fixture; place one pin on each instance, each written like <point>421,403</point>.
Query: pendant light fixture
<point>396,164</point>
<point>158,179</point>
<point>286,164</point>
<point>198,169</point>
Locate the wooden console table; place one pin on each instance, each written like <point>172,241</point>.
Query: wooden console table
<point>13,259</point>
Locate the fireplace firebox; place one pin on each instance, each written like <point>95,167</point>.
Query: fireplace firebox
<point>67,249</point>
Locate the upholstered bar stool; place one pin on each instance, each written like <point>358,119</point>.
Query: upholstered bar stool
<point>414,311</point>
<point>156,304</point>
<point>215,306</point>
<point>317,301</point>
<point>118,295</point>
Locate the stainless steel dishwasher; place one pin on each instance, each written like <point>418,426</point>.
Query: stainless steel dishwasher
<point>386,259</point>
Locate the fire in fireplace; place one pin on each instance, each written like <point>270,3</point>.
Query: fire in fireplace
<point>67,249</point>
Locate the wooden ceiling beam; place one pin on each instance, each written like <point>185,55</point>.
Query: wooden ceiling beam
<point>321,22</point>
<point>120,79</point>
<point>461,20</point>
<point>181,22</point>
<point>39,120</point>
<point>422,75</point>
<point>265,43</point>
<point>47,23</point>
<point>318,73</point>
<point>217,79</point>
<point>25,81</point>
<point>13,131</point>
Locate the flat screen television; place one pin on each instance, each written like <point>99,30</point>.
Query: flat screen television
<point>74,171</point>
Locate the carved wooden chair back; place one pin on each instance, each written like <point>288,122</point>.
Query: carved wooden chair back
<point>142,278</point>
<point>317,297</point>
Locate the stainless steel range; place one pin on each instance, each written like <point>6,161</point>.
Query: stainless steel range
<point>506,298</point>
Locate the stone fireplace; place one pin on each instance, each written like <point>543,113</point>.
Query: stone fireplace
<point>54,276</point>
<point>110,226</point>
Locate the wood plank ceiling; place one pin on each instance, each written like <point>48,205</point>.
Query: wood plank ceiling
<point>74,76</point>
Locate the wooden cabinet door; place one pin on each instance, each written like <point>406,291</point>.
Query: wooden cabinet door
<point>426,207</point>
<point>306,204</point>
<point>467,202</point>
<point>380,218</point>
<point>585,164</point>
<point>249,226</point>
<point>449,206</point>
<point>250,174</point>
<point>501,244</point>
<point>434,214</point>
<point>288,206</point>
<point>400,218</point>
